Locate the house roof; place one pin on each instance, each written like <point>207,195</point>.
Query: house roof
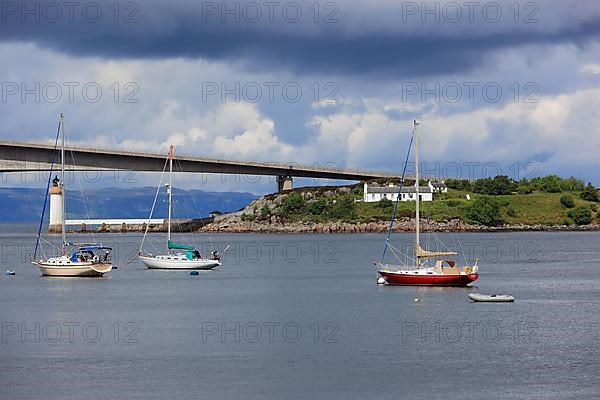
<point>394,189</point>
<point>438,184</point>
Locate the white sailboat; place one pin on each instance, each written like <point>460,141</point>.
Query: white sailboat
<point>178,256</point>
<point>443,272</point>
<point>90,260</point>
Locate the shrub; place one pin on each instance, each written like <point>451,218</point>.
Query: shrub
<point>590,193</point>
<point>453,203</point>
<point>385,203</point>
<point>247,217</point>
<point>581,215</point>
<point>265,212</point>
<point>318,207</point>
<point>292,203</point>
<point>511,212</point>
<point>405,214</point>
<point>485,211</point>
<point>524,189</point>
<point>343,208</point>
<point>567,201</point>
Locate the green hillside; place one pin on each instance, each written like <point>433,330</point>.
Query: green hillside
<point>528,205</point>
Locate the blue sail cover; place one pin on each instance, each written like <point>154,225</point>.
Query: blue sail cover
<point>94,248</point>
<point>87,249</point>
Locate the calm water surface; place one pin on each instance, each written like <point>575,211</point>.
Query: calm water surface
<point>300,317</point>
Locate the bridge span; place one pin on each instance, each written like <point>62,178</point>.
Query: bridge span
<point>30,157</point>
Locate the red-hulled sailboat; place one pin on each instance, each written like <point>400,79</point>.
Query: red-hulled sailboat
<point>443,272</point>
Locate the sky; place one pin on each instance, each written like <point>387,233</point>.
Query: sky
<point>501,87</point>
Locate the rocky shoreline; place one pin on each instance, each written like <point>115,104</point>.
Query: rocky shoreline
<point>264,216</point>
<point>402,225</point>
<point>252,219</point>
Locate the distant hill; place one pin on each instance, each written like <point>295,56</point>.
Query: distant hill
<point>25,204</point>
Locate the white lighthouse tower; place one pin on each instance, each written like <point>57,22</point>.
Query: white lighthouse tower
<point>56,207</point>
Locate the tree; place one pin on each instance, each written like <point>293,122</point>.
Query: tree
<point>551,184</point>
<point>524,186</point>
<point>590,193</point>
<point>501,184</point>
<point>567,201</point>
<point>483,186</point>
<point>581,215</point>
<point>486,211</point>
<point>458,184</point>
<point>571,184</point>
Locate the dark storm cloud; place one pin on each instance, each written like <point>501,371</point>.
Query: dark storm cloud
<point>375,42</point>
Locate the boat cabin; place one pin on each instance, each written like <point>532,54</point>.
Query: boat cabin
<point>99,254</point>
<point>446,267</point>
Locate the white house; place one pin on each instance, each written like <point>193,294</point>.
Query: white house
<point>374,193</point>
<point>439,187</point>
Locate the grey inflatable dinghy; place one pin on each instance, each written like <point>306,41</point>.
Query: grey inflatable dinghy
<point>492,298</point>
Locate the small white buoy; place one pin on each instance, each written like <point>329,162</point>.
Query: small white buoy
<point>380,281</point>
<point>417,300</point>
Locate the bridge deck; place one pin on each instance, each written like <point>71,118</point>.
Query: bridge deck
<point>22,157</point>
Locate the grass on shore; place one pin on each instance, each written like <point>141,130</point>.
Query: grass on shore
<point>530,209</point>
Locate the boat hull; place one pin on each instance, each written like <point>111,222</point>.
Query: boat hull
<point>412,279</point>
<point>199,264</point>
<point>84,270</point>
<point>482,298</point>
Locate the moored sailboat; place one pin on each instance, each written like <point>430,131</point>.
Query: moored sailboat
<point>178,256</point>
<point>444,272</point>
<point>90,259</point>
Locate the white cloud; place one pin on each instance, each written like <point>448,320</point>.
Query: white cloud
<point>369,128</point>
<point>593,69</point>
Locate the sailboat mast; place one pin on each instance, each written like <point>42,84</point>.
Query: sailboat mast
<point>170,193</point>
<point>62,181</point>
<point>417,214</point>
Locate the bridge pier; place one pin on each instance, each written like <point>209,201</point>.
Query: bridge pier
<point>284,182</point>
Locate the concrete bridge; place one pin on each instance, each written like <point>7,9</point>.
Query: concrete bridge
<point>30,157</point>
